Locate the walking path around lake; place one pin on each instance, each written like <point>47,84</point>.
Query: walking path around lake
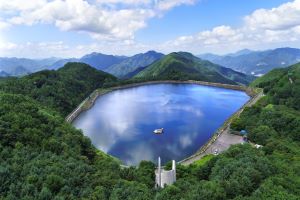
<point>219,142</point>
<point>222,139</point>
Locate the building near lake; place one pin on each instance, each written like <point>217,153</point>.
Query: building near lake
<point>165,177</point>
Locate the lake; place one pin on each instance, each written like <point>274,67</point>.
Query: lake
<point>121,123</point>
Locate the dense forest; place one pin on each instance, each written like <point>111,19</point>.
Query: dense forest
<point>63,89</point>
<point>43,157</point>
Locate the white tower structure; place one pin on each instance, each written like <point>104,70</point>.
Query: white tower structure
<point>164,177</point>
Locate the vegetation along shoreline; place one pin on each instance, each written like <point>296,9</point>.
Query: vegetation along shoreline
<point>254,93</point>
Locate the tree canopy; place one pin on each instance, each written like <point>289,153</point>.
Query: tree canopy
<point>43,157</point>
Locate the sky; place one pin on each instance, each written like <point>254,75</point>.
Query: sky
<point>73,28</point>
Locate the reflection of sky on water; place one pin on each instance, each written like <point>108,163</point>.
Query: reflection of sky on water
<point>121,123</point>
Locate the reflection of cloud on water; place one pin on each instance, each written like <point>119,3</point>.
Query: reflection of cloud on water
<point>186,140</point>
<point>175,106</point>
<point>173,149</point>
<point>98,134</point>
<point>139,152</point>
<point>121,117</point>
<point>186,108</point>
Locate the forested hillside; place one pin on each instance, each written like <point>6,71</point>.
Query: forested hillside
<point>42,157</point>
<point>101,61</point>
<point>185,66</point>
<point>63,89</point>
<point>244,172</point>
<point>131,64</point>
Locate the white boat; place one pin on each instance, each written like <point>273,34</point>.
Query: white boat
<point>158,131</point>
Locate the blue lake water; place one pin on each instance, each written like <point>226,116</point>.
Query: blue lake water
<point>121,123</point>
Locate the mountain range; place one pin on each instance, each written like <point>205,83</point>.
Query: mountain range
<point>256,62</point>
<point>245,61</point>
<point>186,66</point>
<point>146,66</point>
<point>44,157</point>
<point>119,66</point>
<point>131,64</point>
<point>23,66</point>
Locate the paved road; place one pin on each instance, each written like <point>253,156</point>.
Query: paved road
<point>224,141</point>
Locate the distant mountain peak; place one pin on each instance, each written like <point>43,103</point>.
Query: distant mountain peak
<point>186,66</point>
<point>151,51</point>
<point>129,66</point>
<point>257,62</point>
<point>241,52</point>
<point>101,61</point>
<point>93,54</point>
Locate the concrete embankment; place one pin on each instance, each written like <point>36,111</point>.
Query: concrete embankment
<point>90,100</point>
<point>86,104</point>
<point>221,140</point>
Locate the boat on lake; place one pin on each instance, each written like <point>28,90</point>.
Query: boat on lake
<point>158,131</point>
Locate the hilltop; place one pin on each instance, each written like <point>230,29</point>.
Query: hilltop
<point>131,64</point>
<point>283,85</point>
<point>63,89</point>
<point>185,66</point>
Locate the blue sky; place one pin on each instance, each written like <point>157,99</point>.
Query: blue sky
<point>204,15</point>
<point>72,28</point>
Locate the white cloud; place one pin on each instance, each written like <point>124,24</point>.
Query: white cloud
<point>114,27</point>
<point>261,29</point>
<point>4,25</point>
<point>61,49</point>
<point>20,5</point>
<point>169,4</point>
<point>285,16</point>
<point>39,50</point>
<point>154,4</point>
<point>100,19</point>
<point>126,2</point>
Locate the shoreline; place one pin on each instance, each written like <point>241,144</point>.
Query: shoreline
<point>87,103</point>
<point>253,93</point>
<point>221,131</point>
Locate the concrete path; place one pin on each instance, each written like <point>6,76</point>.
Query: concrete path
<point>224,141</point>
